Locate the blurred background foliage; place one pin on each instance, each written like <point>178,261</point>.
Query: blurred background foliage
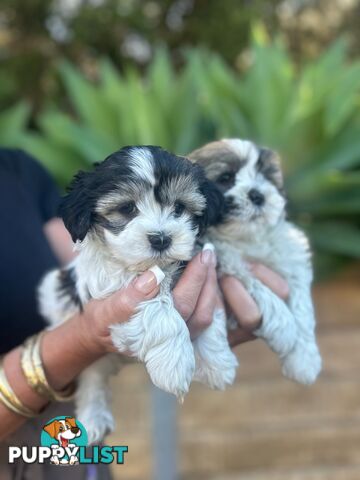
<point>80,78</point>
<point>34,34</point>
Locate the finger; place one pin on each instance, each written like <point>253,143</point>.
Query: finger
<point>238,336</point>
<point>204,309</point>
<point>187,290</point>
<point>241,304</point>
<point>122,304</point>
<point>271,279</point>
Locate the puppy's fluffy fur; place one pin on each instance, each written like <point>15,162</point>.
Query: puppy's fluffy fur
<point>139,208</point>
<point>255,228</point>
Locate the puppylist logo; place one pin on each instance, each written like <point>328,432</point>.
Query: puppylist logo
<point>63,441</point>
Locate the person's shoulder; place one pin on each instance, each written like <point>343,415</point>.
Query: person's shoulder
<point>17,161</point>
<point>33,178</point>
<point>23,166</point>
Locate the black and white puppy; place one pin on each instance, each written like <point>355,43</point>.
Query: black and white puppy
<point>255,228</point>
<point>141,208</point>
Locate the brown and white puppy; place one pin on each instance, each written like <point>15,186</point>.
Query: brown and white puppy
<point>254,227</point>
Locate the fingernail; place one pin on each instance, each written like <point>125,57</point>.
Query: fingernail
<point>149,280</point>
<point>208,256</point>
<point>159,274</point>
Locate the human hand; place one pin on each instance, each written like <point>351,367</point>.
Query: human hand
<point>99,315</point>
<point>243,306</point>
<point>196,293</point>
<point>194,297</point>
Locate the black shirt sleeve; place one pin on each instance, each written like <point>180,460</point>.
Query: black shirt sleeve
<point>28,199</point>
<point>36,180</point>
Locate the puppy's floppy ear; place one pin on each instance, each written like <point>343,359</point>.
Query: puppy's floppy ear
<point>76,207</point>
<point>52,428</point>
<point>269,164</point>
<point>215,205</point>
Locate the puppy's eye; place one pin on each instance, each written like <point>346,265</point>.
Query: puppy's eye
<point>226,178</point>
<point>128,208</point>
<point>61,429</point>
<point>179,208</point>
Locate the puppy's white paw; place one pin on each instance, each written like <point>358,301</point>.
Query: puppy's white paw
<point>216,364</point>
<point>218,374</point>
<point>303,364</point>
<point>171,366</point>
<point>158,336</point>
<point>98,424</point>
<point>279,330</point>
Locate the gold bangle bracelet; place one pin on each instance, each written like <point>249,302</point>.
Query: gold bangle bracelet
<point>33,370</point>
<point>26,363</point>
<point>10,399</point>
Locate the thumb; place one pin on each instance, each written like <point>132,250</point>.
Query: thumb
<point>146,286</point>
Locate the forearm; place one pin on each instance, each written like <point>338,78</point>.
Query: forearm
<point>64,353</point>
<point>59,240</point>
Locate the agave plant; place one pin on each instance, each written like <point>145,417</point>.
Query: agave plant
<point>117,110</point>
<point>311,115</point>
<point>13,122</point>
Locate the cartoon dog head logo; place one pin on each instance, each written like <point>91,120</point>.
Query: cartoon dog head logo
<point>62,435</point>
<point>63,430</point>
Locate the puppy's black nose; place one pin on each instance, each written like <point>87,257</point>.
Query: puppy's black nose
<point>74,429</point>
<point>256,197</point>
<point>159,241</point>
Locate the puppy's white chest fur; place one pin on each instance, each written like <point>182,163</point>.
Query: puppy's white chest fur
<point>99,274</point>
<point>283,247</point>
